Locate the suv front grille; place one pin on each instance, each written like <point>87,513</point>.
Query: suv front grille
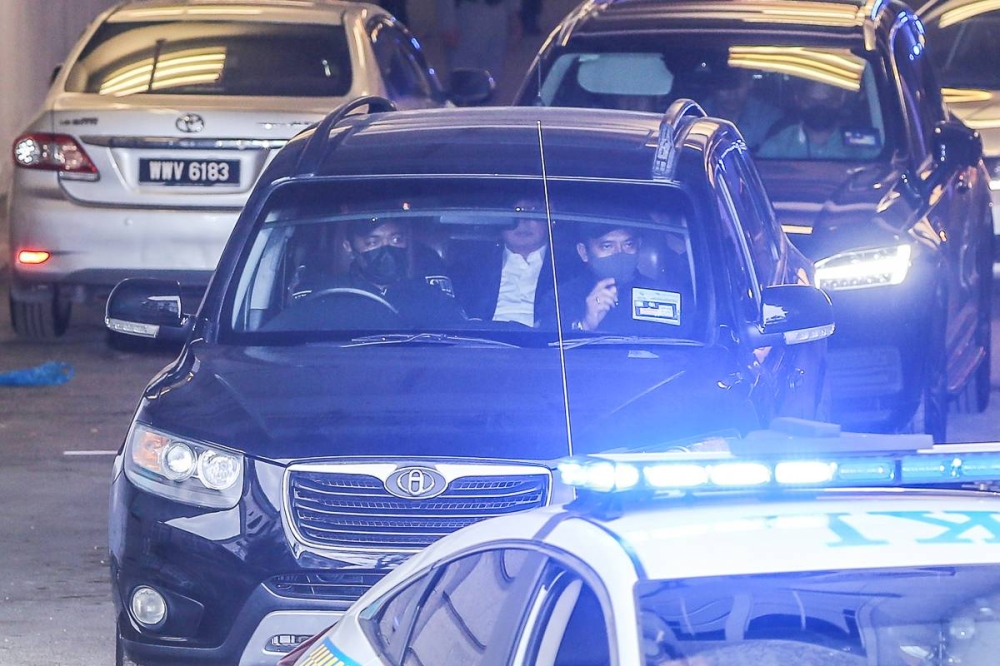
<point>355,511</point>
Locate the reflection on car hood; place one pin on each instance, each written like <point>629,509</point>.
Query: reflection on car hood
<point>288,403</point>
<point>828,207</point>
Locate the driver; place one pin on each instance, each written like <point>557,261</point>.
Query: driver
<point>380,251</point>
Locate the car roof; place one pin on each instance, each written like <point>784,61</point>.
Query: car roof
<point>578,143</point>
<point>230,10</point>
<point>830,17</point>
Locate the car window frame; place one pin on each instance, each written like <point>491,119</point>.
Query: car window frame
<point>919,125</point>
<point>743,274</point>
<point>414,63</point>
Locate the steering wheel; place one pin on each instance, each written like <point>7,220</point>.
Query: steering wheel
<point>350,291</point>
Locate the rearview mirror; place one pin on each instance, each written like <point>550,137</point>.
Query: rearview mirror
<point>146,307</point>
<point>793,314</point>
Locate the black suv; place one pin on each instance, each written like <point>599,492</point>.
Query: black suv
<point>345,398</point>
<point>871,176</point>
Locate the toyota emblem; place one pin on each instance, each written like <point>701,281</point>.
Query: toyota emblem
<point>190,123</point>
<point>415,483</point>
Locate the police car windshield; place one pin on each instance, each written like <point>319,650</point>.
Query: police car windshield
<point>796,101</point>
<point>473,257</point>
<point>890,617</point>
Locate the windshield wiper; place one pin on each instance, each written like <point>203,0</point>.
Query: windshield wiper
<point>422,338</point>
<point>570,343</point>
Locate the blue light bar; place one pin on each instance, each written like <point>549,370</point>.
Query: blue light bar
<point>681,473</point>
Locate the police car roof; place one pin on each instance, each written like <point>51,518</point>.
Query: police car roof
<point>577,143</point>
<point>796,531</point>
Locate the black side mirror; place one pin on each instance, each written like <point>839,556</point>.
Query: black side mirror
<point>55,74</point>
<point>471,86</point>
<point>793,314</point>
<point>145,307</point>
<point>956,144</point>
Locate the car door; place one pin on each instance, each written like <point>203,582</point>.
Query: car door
<point>408,80</point>
<point>951,205</point>
<point>465,610</point>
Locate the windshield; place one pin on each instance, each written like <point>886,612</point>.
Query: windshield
<point>344,260</point>
<point>214,58</point>
<point>889,617</point>
<point>789,102</point>
<point>967,47</point>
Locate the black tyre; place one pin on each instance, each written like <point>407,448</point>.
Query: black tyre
<point>45,320</point>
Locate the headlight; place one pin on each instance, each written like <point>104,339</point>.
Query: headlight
<point>864,268</point>
<point>183,470</point>
<point>993,167</point>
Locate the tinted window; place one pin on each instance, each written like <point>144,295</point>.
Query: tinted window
<point>214,58</point>
<point>789,102</point>
<point>572,628</point>
<point>401,68</point>
<point>471,612</point>
<point>753,216</point>
<point>921,94</point>
<point>966,47</point>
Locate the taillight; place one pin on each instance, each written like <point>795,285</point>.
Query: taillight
<point>54,152</point>
<point>32,256</point>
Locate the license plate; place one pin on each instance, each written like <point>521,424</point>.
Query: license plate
<point>189,172</point>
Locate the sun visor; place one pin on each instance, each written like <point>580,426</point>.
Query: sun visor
<point>625,74</point>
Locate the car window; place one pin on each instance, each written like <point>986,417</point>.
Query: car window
<point>401,68</point>
<point>431,259</point>
<point>214,58</point>
<point>789,102</point>
<point>755,220</point>
<point>965,47</point>
<point>571,628</point>
<point>939,615</point>
<point>735,245</point>
<point>470,612</point>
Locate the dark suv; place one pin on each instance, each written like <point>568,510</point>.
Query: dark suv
<point>344,398</point>
<point>871,176</point>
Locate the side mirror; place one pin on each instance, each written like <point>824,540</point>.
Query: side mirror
<point>793,314</point>
<point>146,307</point>
<point>55,74</point>
<point>956,144</point>
<point>471,86</point>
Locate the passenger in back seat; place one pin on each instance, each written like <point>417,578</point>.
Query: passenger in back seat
<point>508,280</point>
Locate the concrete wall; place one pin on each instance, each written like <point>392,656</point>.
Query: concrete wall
<point>35,36</point>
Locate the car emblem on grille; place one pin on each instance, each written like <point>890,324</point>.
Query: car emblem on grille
<point>415,483</point>
<point>190,123</point>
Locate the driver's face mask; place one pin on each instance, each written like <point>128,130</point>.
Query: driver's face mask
<point>384,265</point>
<point>621,266</point>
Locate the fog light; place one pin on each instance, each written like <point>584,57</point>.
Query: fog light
<point>149,608</point>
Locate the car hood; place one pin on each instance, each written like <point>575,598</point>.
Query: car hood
<point>292,403</point>
<point>980,110</point>
<point>829,207</point>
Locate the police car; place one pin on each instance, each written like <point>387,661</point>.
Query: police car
<point>869,550</point>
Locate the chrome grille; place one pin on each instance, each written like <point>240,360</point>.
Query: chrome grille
<point>346,585</point>
<point>355,511</point>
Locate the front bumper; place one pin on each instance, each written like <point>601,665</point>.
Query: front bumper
<point>877,356</point>
<point>236,593</point>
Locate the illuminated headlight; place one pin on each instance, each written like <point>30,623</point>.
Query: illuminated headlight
<point>183,470</point>
<point>993,167</point>
<point>864,268</point>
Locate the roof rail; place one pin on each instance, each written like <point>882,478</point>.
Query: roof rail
<point>313,152</point>
<point>683,108</point>
<point>665,159</point>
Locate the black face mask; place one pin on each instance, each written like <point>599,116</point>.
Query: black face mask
<point>384,265</point>
<point>621,266</point>
<point>820,117</point>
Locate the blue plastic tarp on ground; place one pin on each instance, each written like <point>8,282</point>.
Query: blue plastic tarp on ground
<point>46,374</point>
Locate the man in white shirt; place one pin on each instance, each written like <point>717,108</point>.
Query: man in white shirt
<point>508,279</point>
